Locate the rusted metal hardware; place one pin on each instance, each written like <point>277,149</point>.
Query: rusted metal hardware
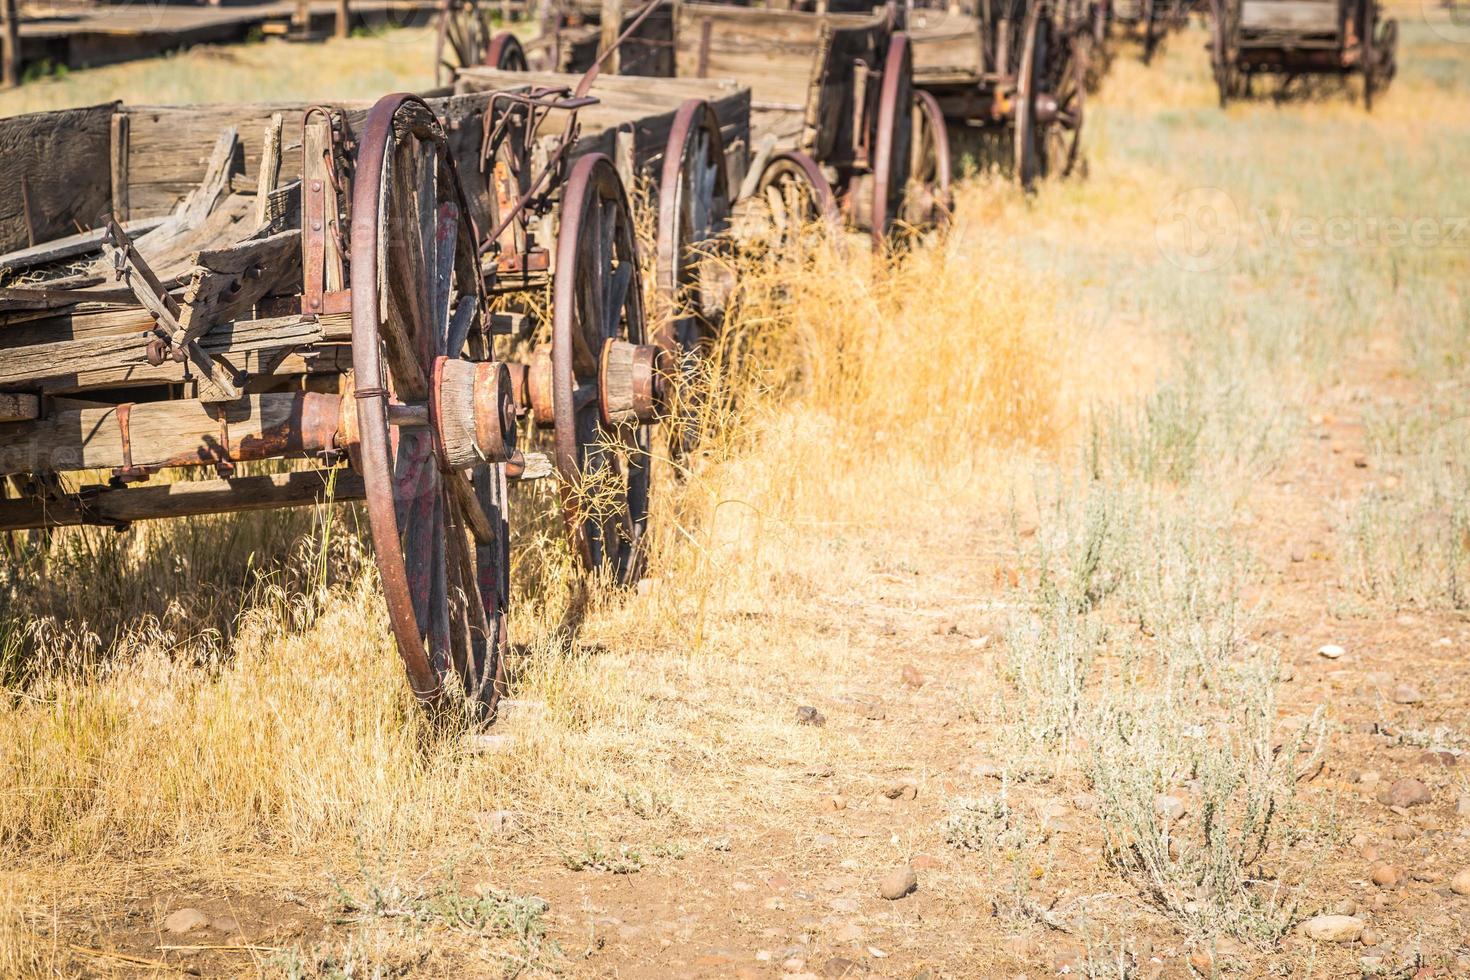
<point>325,209</point>
<point>127,472</point>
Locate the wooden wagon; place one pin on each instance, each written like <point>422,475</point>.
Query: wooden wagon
<point>219,311</point>
<point>835,120</point>
<point>1293,38</point>
<point>1019,65</point>
<point>1147,21</point>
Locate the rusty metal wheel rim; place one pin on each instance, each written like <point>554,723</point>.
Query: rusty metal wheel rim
<point>596,298</point>
<point>929,201</point>
<point>794,178</point>
<point>893,137</point>
<point>693,209</point>
<point>446,599</point>
<point>505,53</point>
<point>1027,154</point>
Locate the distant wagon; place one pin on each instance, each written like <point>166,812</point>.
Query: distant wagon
<point>1293,38</point>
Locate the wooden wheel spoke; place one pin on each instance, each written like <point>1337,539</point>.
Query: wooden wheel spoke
<point>418,507</point>
<point>615,298</point>
<point>404,310</point>
<point>467,508</point>
<point>442,282</point>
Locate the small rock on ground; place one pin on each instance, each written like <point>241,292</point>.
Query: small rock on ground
<point>911,676</point>
<point>807,715</point>
<point>1333,928</point>
<point>1330,650</point>
<point>185,921</point>
<point>1460,883</point>
<point>897,883</point>
<point>1405,792</point>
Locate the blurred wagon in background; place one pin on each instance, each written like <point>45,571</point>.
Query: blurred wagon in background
<point>838,131</point>
<point>1018,66</point>
<point>1294,38</point>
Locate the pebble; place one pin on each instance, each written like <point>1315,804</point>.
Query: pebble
<point>838,802</point>
<point>1406,694</point>
<point>841,966</point>
<point>1370,937</point>
<point>1345,907</point>
<point>873,711</point>
<point>807,715</point>
<point>185,921</point>
<point>1369,778</point>
<point>1384,875</point>
<point>897,883</point>
<point>901,789</point>
<point>1460,883</point>
<point>911,676</point>
<point>1169,807</point>
<point>1202,961</point>
<point>1330,650</point>
<point>923,862</point>
<point>1404,832</point>
<point>1405,792</point>
<point>793,964</point>
<point>849,933</point>
<point>1333,928</point>
<point>224,923</point>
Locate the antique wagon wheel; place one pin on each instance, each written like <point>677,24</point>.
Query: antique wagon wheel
<point>1028,146</point>
<point>928,202</point>
<point>462,38</point>
<point>505,52</point>
<point>599,336</point>
<point>893,138</point>
<point>795,193</point>
<point>1061,114</point>
<point>416,294</point>
<point>1377,58</point>
<point>693,211</point>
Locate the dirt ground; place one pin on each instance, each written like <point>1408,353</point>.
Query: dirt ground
<point>1167,686</point>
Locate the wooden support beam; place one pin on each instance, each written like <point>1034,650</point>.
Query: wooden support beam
<point>344,15</point>
<point>104,362</point>
<point>19,407</point>
<point>154,435</point>
<point>612,26</point>
<point>121,130</point>
<point>270,169</point>
<point>189,498</point>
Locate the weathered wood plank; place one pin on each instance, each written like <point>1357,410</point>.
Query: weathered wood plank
<point>172,433</point>
<point>186,498</point>
<point>75,365</point>
<point>53,167</point>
